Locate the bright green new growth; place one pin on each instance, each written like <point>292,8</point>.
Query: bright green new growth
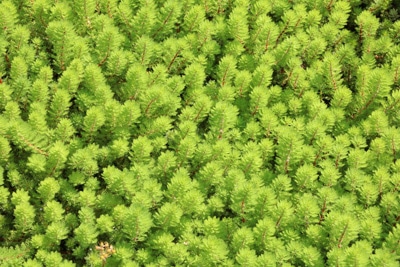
<point>199,133</point>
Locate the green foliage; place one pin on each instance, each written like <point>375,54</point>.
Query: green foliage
<point>48,188</point>
<point>13,256</point>
<point>135,221</point>
<point>199,133</point>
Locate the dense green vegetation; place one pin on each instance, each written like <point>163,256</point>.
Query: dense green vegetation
<point>199,133</point>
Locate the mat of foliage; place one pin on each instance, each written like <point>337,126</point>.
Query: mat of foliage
<point>199,133</point>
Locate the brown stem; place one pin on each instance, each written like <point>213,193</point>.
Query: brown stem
<point>342,236</point>
<point>173,59</point>
<point>321,214</point>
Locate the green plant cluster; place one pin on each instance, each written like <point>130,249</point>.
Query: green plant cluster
<point>199,133</point>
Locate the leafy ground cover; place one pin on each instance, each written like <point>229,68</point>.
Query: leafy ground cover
<point>199,133</point>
